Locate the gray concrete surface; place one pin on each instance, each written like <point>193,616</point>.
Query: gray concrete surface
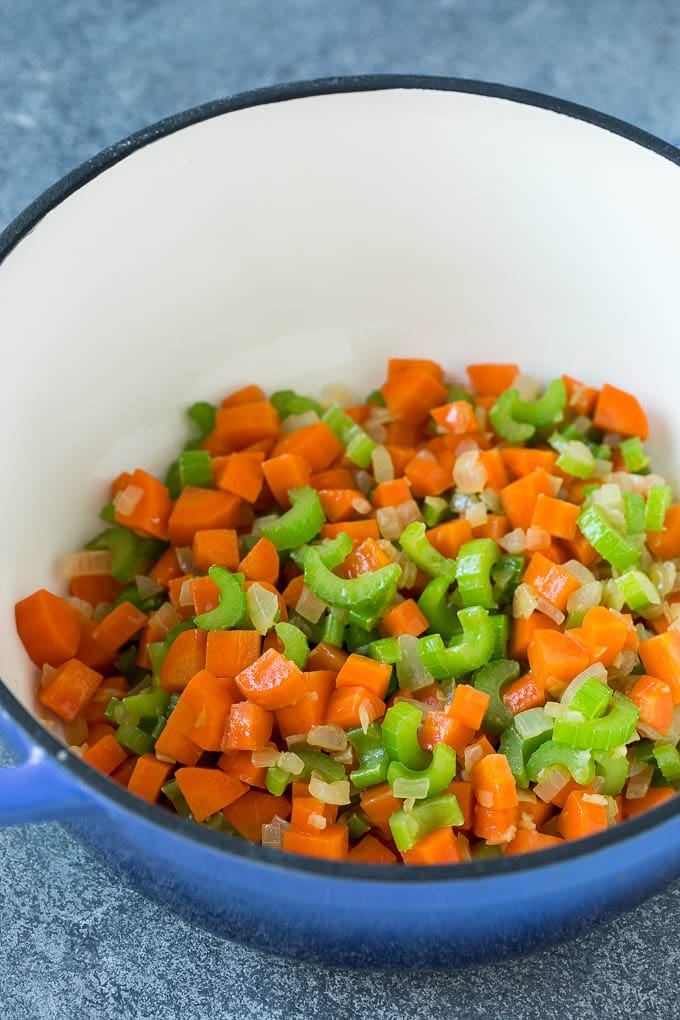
<point>76,75</point>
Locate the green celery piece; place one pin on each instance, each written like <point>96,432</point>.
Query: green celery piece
<point>491,679</point>
<point>455,392</point>
<point>633,453</point>
<point>399,730</point>
<point>332,551</point>
<point>579,764</point>
<point>433,655</point>
<point>376,397</point>
<point>603,734</point>
<point>637,589</point>
<point>576,460</point>
<point>108,513</point>
<point>194,468</point>
<point>644,751</point>
<point>365,597</point>
<point>435,510</point>
<point>277,780</point>
<point>373,757</point>
<point>358,444</point>
<point>476,646</point>
<point>484,850</point>
<point>634,509</point>
<point>133,738</point>
<point>658,501</point>
<point>333,631</point>
<point>416,545</point>
<point>529,730</point>
<point>357,636</point>
<point>357,824</point>
<point>232,606</point>
<point>385,650</point>
<point>172,791</point>
<point>203,415</point>
<point>614,770</point>
<point>287,402</point>
<point>131,555</point>
<point>440,772</point>
<point>546,410</point>
<point>501,635</point>
<point>408,827</point>
<point>591,699</point>
<point>152,702</point>
<point>433,605</point>
<point>298,525</point>
<point>610,543</point>
<point>506,575</point>
<point>295,644</point>
<point>668,760</point>
<point>473,572</point>
<point>503,421</point>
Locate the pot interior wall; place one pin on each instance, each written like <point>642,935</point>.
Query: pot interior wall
<point>305,242</point>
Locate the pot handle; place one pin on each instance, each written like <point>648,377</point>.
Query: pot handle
<point>37,789</point>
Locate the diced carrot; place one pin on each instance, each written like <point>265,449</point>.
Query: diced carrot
<point>579,548</point>
<point>241,475</point>
<point>492,378</point>
<point>349,706</point>
<point>293,591</point>
<point>149,514</point>
<point>495,527</point>
<point>201,509</point>
<point>246,395</point>
<point>529,840</point>
<point>249,727</point>
<point>239,764</point>
<point>666,544</point>
<point>538,811</point>
<point>120,482</point>
<point>238,426</point>
<point>310,710</point>
<point>316,444</point>
<point>358,531</point>
<point>360,671</point>
<point>148,776</point>
<point>91,653</point>
<point>654,698</point>
<point>438,847</point>
<point>306,807</point>
<point>370,850</point>
<point>618,411</point>
<point>449,537</point>
<point>208,790</point>
<point>177,595</point>
<point>379,804</point>
<point>262,562</point>
<point>580,398</point>
<point>559,799</point>
<point>404,618</point>
<point>427,476</point>
<point>118,626</point>
<point>202,711</point>
<point>655,795</point>
<point>661,658</point>
<point>402,446</point>
<point>556,658</point>
<point>341,504</point>
<point>496,472</point>
<point>395,366</point>
<point>522,694</point>
<point>331,843</point>
<point>173,745</point>
<point>412,394</point>
<point>465,795</point>
<point>519,498</point>
<point>186,656</point>
<point>272,681</point>
<point>494,783</point>
<point>521,461</point>
<point>604,633</point>
<point>556,516</point>
<point>228,652</point>
<point>111,687</point>
<point>392,493</point>
<point>469,705</point>
<point>106,755</point>
<point>98,730</point>
<point>522,633</point>
<point>285,472</point>
<point>552,582</point>
<point>440,727</point>
<point>496,826</point>
<point>256,808</point>
<point>457,417</point>
<point>166,568</point>
<point>69,688</point>
<point>205,594</point>
<point>366,558</point>
<point>583,814</point>
<point>95,588</point>
<point>325,656</point>
<point>48,626</point>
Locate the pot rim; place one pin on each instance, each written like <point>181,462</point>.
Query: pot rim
<point>491,868</point>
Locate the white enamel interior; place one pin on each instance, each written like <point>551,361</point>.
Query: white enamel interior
<point>307,241</point>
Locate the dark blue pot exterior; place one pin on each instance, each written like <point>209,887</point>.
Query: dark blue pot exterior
<point>339,915</point>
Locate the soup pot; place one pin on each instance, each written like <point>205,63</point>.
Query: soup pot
<point>294,236</point>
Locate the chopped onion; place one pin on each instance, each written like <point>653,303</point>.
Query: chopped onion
<point>298,421</point>
<point>147,587</point>
<point>291,762</point>
<point>503,837</point>
<point>185,559</point>
<point>361,505</point>
<point>537,538</point>
<point>375,430</point>
<point>553,782</point>
<point>165,618</point>
<point>388,522</point>
<point>492,501</point>
<point>273,832</point>
<point>649,732</point>
<point>612,596</point>
<point>83,607</point>
<point>595,798</point>
<point>186,597</point>
<point>297,739</point>
<point>345,757</point>
<point>673,734</point>
<point>469,474</point>
<point>367,713</point>
<point>515,542</point>
<point>338,393</point>
<point>612,811</point>
<point>75,732</point>
<point>464,847</point>
<point>47,672</point>
<point>128,500</point>
<point>481,414</point>
<point>471,756</point>
<point>638,783</point>
<point>555,484</point>
<point>409,804</point>
<point>101,610</point>
<point>265,758</point>
<point>624,663</point>
<point>409,571</point>
<point>407,513</point>
<point>423,706</point>
<point>556,710</point>
<point>476,514</point>
<point>524,602</point>
<point>317,821</point>
<point>581,423</point>
<point>411,672</point>
<point>309,605</point>
<point>91,563</point>
<point>417,788</point>
<point>383,468</point>
<point>634,483</point>
<point>526,796</point>
<point>389,548</point>
<point>329,793</point>
<point>585,597</point>
<point>662,576</point>
<point>526,822</point>
<point>548,609</point>
<point>527,387</point>
<point>364,483</point>
<point>329,737</point>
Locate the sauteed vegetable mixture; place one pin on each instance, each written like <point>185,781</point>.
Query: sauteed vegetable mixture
<point>440,624</point>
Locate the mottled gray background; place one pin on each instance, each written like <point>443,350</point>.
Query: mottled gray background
<point>76,75</point>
